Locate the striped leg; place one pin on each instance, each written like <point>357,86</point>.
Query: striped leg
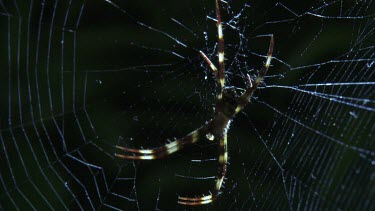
<point>223,160</point>
<point>151,154</point>
<point>244,99</point>
<point>220,77</point>
<point>213,67</point>
<point>220,51</point>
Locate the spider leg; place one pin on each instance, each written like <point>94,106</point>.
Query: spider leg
<point>220,51</point>
<point>208,61</point>
<point>151,154</point>
<point>219,95</point>
<point>245,97</point>
<point>223,160</point>
<point>195,201</point>
<point>220,76</point>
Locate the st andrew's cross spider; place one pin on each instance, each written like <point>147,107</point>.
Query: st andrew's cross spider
<point>228,104</point>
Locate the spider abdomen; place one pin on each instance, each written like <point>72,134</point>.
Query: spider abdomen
<point>219,125</point>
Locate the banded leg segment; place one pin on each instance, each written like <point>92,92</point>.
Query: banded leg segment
<point>213,67</point>
<point>220,49</point>
<point>223,160</point>
<point>219,74</point>
<point>151,154</point>
<point>245,97</point>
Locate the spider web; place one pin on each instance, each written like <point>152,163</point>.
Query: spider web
<point>79,77</point>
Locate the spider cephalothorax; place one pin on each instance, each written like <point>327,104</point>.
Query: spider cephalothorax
<point>228,103</point>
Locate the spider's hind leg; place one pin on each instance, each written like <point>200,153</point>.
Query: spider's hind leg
<point>223,160</point>
<point>152,154</point>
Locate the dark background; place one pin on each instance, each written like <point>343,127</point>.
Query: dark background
<point>79,77</point>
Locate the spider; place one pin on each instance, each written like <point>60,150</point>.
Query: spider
<point>228,104</point>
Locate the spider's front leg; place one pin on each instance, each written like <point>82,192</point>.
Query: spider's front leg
<point>219,74</point>
<point>245,97</point>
